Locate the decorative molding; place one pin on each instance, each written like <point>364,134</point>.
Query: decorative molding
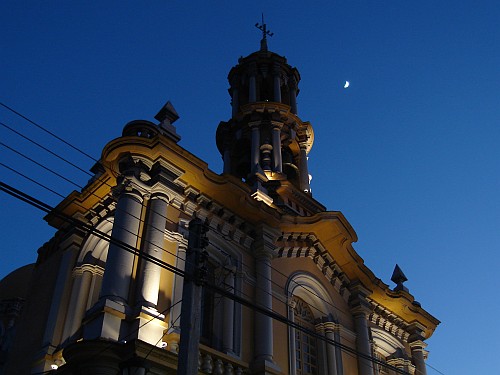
<point>93,269</point>
<point>101,209</point>
<point>388,321</point>
<point>307,245</point>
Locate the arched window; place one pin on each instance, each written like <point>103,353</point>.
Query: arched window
<point>306,348</point>
<point>310,306</point>
<point>390,350</point>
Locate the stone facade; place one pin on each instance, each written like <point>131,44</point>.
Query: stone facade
<point>111,280</point>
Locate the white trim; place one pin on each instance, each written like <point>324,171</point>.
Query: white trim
<point>308,288</point>
<point>95,245</point>
<point>385,343</point>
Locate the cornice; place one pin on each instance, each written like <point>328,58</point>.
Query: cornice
<point>388,321</point>
<point>336,235</point>
<point>307,245</point>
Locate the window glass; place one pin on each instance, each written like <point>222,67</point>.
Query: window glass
<point>306,356</point>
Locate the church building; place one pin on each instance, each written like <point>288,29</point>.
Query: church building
<point>283,290</point>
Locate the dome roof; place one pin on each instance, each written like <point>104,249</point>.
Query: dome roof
<point>15,284</point>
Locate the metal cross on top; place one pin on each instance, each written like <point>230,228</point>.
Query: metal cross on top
<point>263,27</point>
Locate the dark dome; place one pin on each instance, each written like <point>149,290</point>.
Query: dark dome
<point>15,284</point>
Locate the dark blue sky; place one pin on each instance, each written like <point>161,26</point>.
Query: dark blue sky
<point>409,152</point>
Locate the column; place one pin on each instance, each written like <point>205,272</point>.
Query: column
<point>252,83</point>
<point>322,356</point>
<point>291,335</point>
<point>277,159</point>
<point>417,353</point>
<point>330,348</point>
<point>81,300</point>
<point>228,329</point>
<point>172,338</point>
<point>292,82</point>
<point>153,247</point>
<point>255,151</point>
<point>62,295</point>
<point>277,83</point>
<point>227,146</point>
<point>263,248</point>
<point>417,346</point>
<point>303,170</point>
<point>234,96</point>
<point>118,273</point>
<point>263,296</point>
<point>227,159</point>
<point>360,309</point>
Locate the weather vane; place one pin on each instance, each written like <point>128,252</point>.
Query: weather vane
<point>265,33</point>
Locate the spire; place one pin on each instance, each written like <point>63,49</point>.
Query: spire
<point>398,277</point>
<point>265,33</point>
<point>167,116</point>
<point>265,143</point>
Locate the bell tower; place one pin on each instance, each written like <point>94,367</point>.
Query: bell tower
<point>265,143</point>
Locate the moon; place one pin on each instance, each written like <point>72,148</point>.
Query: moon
<point>346,84</point>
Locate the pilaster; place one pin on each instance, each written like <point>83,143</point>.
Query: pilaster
<point>154,232</point>
<point>330,328</point>
<point>303,168</point>
<point>277,82</point>
<point>120,262</point>
<point>360,309</point>
<point>255,151</point>
<point>276,134</point>
<point>417,346</point>
<point>292,84</point>
<point>263,249</point>
<point>252,84</point>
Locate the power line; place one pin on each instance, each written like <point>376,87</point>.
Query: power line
<point>63,177</point>
<point>57,174</point>
<point>85,226</point>
<point>41,165</point>
<point>275,316</point>
<point>100,198</point>
<point>79,186</point>
<point>305,287</point>
<point>80,205</point>
<point>48,132</point>
<point>59,194</point>
<point>32,180</point>
<point>111,344</point>
<point>75,166</point>
<point>45,149</point>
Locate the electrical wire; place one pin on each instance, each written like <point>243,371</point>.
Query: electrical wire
<point>48,169</point>
<point>87,227</point>
<point>48,132</point>
<point>100,198</point>
<point>61,176</point>
<point>75,166</point>
<point>46,149</point>
<point>79,204</point>
<point>275,316</point>
<point>305,287</point>
<point>41,165</point>
<point>150,320</point>
<point>66,179</point>
<point>111,344</point>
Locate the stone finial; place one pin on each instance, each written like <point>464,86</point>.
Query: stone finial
<point>167,116</point>
<point>398,277</point>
